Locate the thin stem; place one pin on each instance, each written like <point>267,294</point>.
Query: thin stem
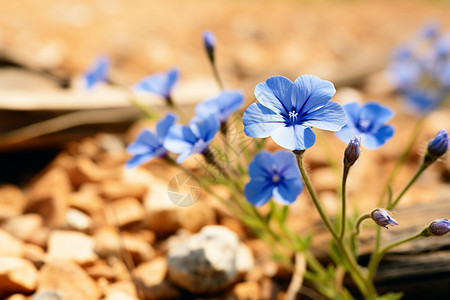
<point>374,262</point>
<point>216,75</point>
<point>357,230</point>
<point>401,161</point>
<point>343,212</point>
<point>366,288</point>
<point>419,171</point>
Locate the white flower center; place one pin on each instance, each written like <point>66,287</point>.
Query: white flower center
<point>293,115</point>
<point>275,178</point>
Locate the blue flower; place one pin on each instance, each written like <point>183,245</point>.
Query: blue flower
<point>273,175</point>
<point>192,138</point>
<point>159,83</point>
<point>97,72</point>
<point>288,109</point>
<point>420,69</point>
<point>222,106</point>
<point>147,145</point>
<point>382,218</point>
<point>209,41</point>
<point>368,124</point>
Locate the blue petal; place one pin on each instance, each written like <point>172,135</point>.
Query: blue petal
<point>258,192</point>
<point>172,77</point>
<point>163,126</point>
<point>376,113</point>
<point>347,133</point>
<point>295,137</point>
<point>97,72</point>
<point>330,117</point>
<point>310,93</point>
<point>286,164</point>
<point>352,113</point>
<point>145,142</point>
<point>379,138</point>
<point>179,139</point>
<point>275,94</point>
<point>222,106</point>
<point>260,122</point>
<point>138,160</point>
<point>262,166</point>
<point>206,129</point>
<point>287,191</point>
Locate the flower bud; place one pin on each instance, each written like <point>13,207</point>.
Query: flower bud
<point>382,217</point>
<point>351,153</point>
<point>209,41</point>
<point>437,147</point>
<point>439,227</point>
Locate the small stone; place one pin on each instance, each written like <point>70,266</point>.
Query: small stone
<point>24,226</point>
<point>35,254</point>
<point>86,200</point>
<point>121,290</point>
<point>78,220</point>
<point>48,295</point>
<point>10,245</point>
<point>246,291</point>
<point>71,245</point>
<point>68,279</point>
<point>209,261</point>
<point>115,189</point>
<point>54,182</point>
<point>101,270</point>
<point>12,201</point>
<point>124,212</point>
<point>17,275</point>
<point>17,297</point>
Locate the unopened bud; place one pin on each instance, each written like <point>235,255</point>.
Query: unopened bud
<point>439,227</point>
<point>352,151</point>
<point>382,218</point>
<point>209,41</point>
<point>437,147</point>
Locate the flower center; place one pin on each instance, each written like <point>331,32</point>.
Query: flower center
<point>276,178</point>
<point>293,115</point>
<point>364,125</point>
<point>199,146</point>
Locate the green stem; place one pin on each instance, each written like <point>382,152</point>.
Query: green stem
<point>375,260</point>
<point>343,212</point>
<point>419,171</point>
<point>366,287</point>
<point>357,230</point>
<point>401,161</point>
<point>216,75</point>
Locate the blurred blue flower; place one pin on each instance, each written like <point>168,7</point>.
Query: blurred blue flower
<point>288,109</point>
<point>209,41</point>
<point>420,69</point>
<point>439,227</point>
<point>97,72</point>
<point>192,138</point>
<point>222,106</point>
<point>147,145</point>
<point>368,124</point>
<point>159,83</point>
<point>382,218</point>
<point>273,175</point>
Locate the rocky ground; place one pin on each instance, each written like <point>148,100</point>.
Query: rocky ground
<point>83,227</point>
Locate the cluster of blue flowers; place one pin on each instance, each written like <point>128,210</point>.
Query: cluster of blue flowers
<point>420,69</point>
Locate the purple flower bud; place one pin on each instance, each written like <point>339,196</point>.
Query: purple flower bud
<point>352,151</point>
<point>382,218</point>
<point>209,41</point>
<point>437,147</point>
<point>439,227</point>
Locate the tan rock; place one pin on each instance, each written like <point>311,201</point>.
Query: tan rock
<point>17,297</point>
<point>17,275</point>
<point>86,199</point>
<point>71,245</point>
<point>249,290</point>
<point>40,237</point>
<point>101,270</point>
<point>124,212</point>
<point>150,276</point>
<point>10,245</point>
<point>53,182</point>
<point>35,254</point>
<point>109,243</point>
<point>12,201</point>
<point>78,220</point>
<point>24,226</point>
<point>121,290</point>
<point>117,189</point>
<point>68,279</point>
